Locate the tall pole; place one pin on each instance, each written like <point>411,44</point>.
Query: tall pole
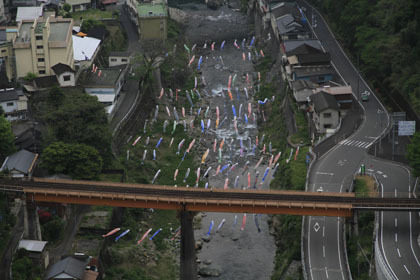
<point>188,264</point>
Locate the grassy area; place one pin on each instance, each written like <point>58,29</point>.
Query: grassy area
<point>365,186</point>
<point>302,134</point>
<point>90,14</point>
<point>360,247</point>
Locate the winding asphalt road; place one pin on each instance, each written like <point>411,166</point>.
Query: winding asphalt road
<point>324,255</point>
<point>398,231</point>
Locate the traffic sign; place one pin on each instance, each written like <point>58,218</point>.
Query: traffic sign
<point>406,128</point>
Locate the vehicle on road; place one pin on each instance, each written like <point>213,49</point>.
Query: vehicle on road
<point>365,95</point>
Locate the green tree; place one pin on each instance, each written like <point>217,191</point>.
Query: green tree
<point>91,23</point>
<point>55,97</point>
<point>80,161</point>
<point>413,154</point>
<point>81,119</point>
<point>67,7</point>
<point>53,230</point>
<point>7,139</point>
<point>30,76</point>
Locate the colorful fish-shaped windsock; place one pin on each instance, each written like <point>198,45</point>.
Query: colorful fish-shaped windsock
<point>137,140</point>
<point>207,172</point>
<point>221,224</point>
<point>144,236</point>
<point>121,235</point>
<point>210,227</point>
<point>154,234</point>
<point>161,93</point>
<point>212,46</point>
<point>243,222</point>
<point>203,158</point>
<point>159,142</point>
<point>111,232</point>
<point>155,177</point>
<point>186,175</point>
<point>226,183</point>
<point>180,146</point>
<point>175,174</point>
<point>191,145</point>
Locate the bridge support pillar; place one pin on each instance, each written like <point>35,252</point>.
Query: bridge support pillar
<point>188,264</point>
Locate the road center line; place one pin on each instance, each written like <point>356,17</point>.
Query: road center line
<point>398,251</point>
<point>323,231</point>
<point>396,222</point>
<point>326,271</point>
<point>406,269</point>
<point>395,192</point>
<point>396,237</point>
<point>323,250</point>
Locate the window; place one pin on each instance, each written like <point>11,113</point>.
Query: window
<point>3,51</point>
<point>327,125</point>
<point>40,47</point>
<point>41,59</point>
<point>41,72</point>
<point>124,59</point>
<point>327,115</point>
<point>113,59</point>
<point>321,78</point>
<point>8,104</point>
<point>67,78</point>
<point>38,37</point>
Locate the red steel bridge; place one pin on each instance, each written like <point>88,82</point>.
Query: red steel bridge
<point>199,199</point>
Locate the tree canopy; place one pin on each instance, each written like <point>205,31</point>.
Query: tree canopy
<point>79,119</point>
<point>7,139</point>
<point>80,161</point>
<point>385,35</point>
<point>413,154</point>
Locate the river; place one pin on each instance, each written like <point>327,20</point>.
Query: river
<point>235,253</point>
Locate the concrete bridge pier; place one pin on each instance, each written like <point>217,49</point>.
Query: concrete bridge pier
<point>188,264</point>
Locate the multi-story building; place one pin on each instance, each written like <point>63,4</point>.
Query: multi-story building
<point>7,60</point>
<point>152,21</point>
<point>41,44</point>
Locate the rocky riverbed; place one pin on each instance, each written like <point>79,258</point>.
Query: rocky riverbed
<point>238,250</point>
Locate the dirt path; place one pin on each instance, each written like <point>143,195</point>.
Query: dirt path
<point>235,253</point>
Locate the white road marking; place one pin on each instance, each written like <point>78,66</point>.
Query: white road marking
<point>369,170</point>
<point>398,251</point>
<point>316,227</point>
<point>396,237</point>
<point>325,173</point>
<point>406,269</point>
<point>379,172</point>
<point>385,176</point>
<point>395,192</point>
<point>323,231</point>
<point>326,271</point>
<point>323,250</point>
<point>396,222</point>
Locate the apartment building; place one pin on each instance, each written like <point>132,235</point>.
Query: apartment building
<point>43,43</point>
<point>7,61</point>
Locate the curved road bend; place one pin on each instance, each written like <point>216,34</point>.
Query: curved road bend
<point>398,231</point>
<point>324,255</point>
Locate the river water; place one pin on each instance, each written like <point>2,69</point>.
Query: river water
<point>237,250</point>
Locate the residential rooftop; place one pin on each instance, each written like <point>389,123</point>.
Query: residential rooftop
<point>152,10</point>
<point>108,77</point>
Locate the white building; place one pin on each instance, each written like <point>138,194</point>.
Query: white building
<point>14,104</point>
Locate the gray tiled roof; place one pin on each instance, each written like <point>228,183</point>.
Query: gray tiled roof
<point>293,47</point>
<point>20,161</point>
<point>288,24</point>
<point>309,71</point>
<point>314,58</point>
<point>120,54</point>
<point>70,266</point>
<point>323,100</point>
<point>9,94</point>
<point>61,68</point>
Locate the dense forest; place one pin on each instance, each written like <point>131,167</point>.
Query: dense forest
<point>383,36</point>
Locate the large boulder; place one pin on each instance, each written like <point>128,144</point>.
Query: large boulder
<point>214,4</point>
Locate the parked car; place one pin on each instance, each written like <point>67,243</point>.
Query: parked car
<point>365,95</point>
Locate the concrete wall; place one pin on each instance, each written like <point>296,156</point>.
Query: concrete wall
<point>320,120</point>
<point>153,28</point>
<point>64,83</point>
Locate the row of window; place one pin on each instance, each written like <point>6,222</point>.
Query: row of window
<point>122,59</point>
